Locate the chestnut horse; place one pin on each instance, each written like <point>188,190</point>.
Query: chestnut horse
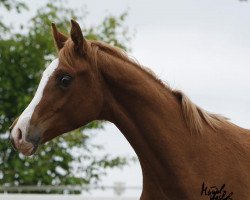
<point>185,152</point>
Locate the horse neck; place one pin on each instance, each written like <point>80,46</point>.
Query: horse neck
<point>150,117</point>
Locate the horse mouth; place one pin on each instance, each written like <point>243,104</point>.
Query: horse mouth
<point>28,151</point>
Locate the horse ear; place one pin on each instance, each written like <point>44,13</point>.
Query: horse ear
<point>59,38</point>
<point>78,39</point>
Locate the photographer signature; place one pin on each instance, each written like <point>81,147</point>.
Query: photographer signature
<point>216,193</point>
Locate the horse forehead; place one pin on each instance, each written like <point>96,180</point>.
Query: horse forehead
<point>44,80</point>
<point>51,68</point>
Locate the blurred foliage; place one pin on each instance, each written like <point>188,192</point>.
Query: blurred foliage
<point>9,5</point>
<point>13,4</point>
<point>69,159</point>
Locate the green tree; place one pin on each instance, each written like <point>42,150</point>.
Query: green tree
<point>22,59</point>
<point>9,5</point>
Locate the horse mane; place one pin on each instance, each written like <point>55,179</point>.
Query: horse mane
<point>194,116</point>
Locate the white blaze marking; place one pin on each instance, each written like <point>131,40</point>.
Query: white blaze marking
<point>24,119</point>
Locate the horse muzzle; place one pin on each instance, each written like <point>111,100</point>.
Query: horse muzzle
<point>27,143</point>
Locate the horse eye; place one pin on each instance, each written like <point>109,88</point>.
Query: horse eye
<point>65,81</point>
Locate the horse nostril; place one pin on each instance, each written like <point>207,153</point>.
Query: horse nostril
<point>19,134</point>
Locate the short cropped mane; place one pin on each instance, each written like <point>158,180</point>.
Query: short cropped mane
<point>194,116</point>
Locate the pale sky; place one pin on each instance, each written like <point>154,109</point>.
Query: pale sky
<point>201,47</point>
